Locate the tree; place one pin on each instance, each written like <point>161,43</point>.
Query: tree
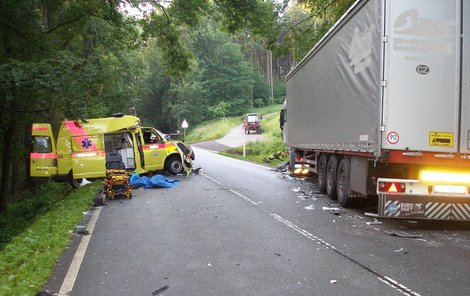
<point>304,24</point>
<point>52,67</point>
<point>218,110</point>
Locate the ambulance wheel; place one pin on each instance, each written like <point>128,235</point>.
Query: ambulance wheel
<point>331,172</point>
<point>174,165</point>
<point>321,173</point>
<point>342,182</point>
<point>74,182</point>
<point>247,131</point>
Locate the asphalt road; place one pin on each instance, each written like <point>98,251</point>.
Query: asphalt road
<point>238,228</point>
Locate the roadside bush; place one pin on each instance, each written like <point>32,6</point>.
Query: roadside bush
<point>22,212</point>
<point>219,110</point>
<point>259,103</point>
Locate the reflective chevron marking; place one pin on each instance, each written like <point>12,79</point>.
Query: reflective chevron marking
<point>399,207</point>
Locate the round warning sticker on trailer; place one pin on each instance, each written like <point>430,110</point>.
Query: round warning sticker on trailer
<point>393,137</point>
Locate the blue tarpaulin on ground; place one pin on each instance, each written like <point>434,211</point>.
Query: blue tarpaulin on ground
<point>157,181</point>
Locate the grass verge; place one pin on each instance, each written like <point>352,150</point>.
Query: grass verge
<point>34,233</point>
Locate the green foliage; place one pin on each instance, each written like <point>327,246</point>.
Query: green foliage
<point>304,24</point>
<point>176,56</point>
<point>261,88</point>
<point>258,103</point>
<point>27,208</point>
<point>219,110</point>
<point>279,91</point>
<point>220,82</point>
<point>38,226</point>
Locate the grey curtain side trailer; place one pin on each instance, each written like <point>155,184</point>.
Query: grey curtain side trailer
<point>381,106</point>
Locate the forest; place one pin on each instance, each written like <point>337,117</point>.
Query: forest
<point>164,60</point>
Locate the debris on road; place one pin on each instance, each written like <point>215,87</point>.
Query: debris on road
<point>403,234</point>
<point>287,176</point>
<point>282,167</point>
<point>99,201</point>
<point>296,189</point>
<point>310,207</point>
<point>81,229</point>
<point>371,214</point>
<point>333,281</point>
<point>333,210</point>
<point>46,292</point>
<point>375,222</point>
<point>277,155</point>
<point>195,171</point>
<point>307,197</point>
<point>84,182</point>
<point>160,290</point>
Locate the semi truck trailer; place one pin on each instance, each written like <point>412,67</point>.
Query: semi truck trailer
<point>381,107</point>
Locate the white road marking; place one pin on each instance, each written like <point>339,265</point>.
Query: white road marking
<point>72,273</point>
<point>212,179</point>
<point>385,279</point>
<point>302,231</point>
<point>244,197</point>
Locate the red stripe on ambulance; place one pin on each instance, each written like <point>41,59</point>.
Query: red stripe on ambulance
<point>80,135</point>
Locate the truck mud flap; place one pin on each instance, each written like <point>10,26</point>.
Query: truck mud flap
<point>424,207</point>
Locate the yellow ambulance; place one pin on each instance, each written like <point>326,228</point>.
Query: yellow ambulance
<point>81,148</point>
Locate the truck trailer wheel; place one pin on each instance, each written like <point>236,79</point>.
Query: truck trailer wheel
<point>342,182</point>
<point>292,157</point>
<point>321,173</point>
<point>331,172</point>
<point>174,165</point>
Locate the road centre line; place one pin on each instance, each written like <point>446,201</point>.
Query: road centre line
<point>385,279</point>
<point>244,197</point>
<point>72,273</point>
<point>212,179</point>
<point>231,190</point>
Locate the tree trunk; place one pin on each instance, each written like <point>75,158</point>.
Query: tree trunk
<point>7,143</point>
<point>14,176</point>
